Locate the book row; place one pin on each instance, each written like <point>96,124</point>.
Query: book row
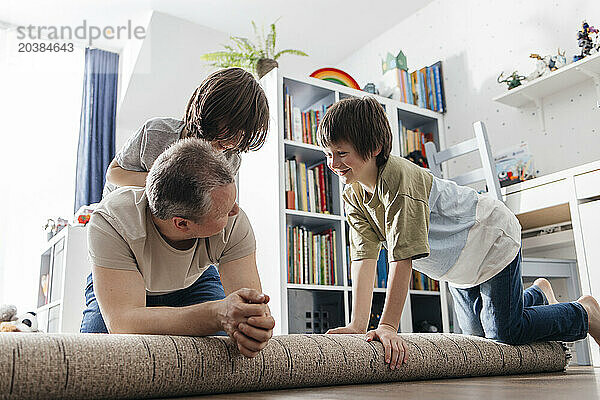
<point>423,87</point>
<point>308,188</point>
<point>414,140</point>
<point>298,125</point>
<point>312,257</point>
<point>419,280</point>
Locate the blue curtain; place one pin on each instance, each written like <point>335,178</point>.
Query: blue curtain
<point>96,147</point>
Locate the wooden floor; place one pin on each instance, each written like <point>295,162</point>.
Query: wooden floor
<point>577,383</point>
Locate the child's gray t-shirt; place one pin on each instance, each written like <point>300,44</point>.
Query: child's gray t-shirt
<point>143,148</point>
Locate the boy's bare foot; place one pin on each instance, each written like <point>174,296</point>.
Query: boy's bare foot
<point>546,287</point>
<point>593,310</point>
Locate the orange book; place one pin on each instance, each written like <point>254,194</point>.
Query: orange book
<point>403,86</point>
<point>415,91</point>
<point>290,200</point>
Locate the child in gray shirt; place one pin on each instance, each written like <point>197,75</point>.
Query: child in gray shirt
<point>229,109</point>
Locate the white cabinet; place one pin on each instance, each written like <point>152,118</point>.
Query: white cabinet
<point>63,271</point>
<point>589,214</point>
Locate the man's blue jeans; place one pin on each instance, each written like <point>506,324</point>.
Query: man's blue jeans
<point>206,288</point>
<point>499,309</point>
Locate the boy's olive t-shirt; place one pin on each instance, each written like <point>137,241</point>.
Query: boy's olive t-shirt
<point>397,214</point>
<point>451,232</point>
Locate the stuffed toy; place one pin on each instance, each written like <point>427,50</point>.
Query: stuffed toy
<point>10,322</point>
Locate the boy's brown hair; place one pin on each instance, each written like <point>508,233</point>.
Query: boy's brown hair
<point>229,105</point>
<point>362,122</point>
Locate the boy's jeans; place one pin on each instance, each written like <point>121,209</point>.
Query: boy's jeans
<point>206,288</point>
<point>499,309</point>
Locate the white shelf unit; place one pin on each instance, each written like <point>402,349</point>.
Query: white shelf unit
<point>262,197</point>
<point>531,94</point>
<point>65,264</point>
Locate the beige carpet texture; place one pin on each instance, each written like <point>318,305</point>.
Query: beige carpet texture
<point>101,366</point>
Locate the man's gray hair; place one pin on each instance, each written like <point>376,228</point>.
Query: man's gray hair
<point>182,178</point>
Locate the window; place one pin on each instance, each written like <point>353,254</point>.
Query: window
<point>40,105</point>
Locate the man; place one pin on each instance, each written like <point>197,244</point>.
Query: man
<point>153,251</point>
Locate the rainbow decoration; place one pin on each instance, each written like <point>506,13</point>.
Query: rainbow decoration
<point>336,76</point>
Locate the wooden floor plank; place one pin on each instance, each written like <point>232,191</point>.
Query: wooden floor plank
<point>579,383</point>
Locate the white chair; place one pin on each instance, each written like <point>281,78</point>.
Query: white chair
<point>479,143</point>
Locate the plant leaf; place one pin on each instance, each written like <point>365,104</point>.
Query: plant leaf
<point>290,51</point>
<point>270,44</point>
<point>259,35</point>
<point>245,53</point>
<point>274,37</point>
<point>245,45</point>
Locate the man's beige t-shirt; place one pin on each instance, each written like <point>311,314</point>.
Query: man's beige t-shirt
<point>122,235</point>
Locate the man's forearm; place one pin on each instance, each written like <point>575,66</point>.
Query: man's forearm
<point>397,290</point>
<point>240,273</point>
<point>195,320</point>
<point>363,278</point>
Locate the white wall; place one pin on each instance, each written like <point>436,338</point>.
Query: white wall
<point>476,41</point>
<point>166,70</point>
<point>40,105</point>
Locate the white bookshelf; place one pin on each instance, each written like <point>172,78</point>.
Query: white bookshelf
<point>262,197</point>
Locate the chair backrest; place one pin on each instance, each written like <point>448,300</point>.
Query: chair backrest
<point>479,143</point>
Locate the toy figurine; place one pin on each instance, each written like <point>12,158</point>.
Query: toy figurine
<point>370,88</point>
<point>513,80</point>
<point>584,40</point>
<point>547,64</point>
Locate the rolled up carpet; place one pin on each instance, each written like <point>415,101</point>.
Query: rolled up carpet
<point>96,366</point>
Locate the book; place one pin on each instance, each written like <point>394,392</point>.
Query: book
<point>328,191</point>
<point>294,182</point>
<point>311,190</point>
<point>414,90</point>
<point>437,69</point>
<point>312,257</point>
<point>409,94</point>
<point>302,187</point>
<point>382,268</point>
<point>431,85</point>
<point>349,263</point>
<point>289,192</point>
<point>424,88</point>
<point>430,104</point>
<point>297,124</point>
<point>323,196</point>
<point>336,280</point>
<point>308,188</point>
<point>286,114</point>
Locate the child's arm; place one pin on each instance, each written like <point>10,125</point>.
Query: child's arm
<point>387,331</point>
<point>363,277</point>
<point>119,176</point>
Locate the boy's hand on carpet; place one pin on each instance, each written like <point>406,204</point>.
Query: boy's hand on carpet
<point>348,329</point>
<point>246,318</point>
<point>396,351</point>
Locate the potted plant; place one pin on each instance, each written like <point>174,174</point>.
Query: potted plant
<point>259,57</point>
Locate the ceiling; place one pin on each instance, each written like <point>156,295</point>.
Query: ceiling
<point>329,31</point>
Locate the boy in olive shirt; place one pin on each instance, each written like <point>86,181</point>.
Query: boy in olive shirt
<point>446,231</point>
